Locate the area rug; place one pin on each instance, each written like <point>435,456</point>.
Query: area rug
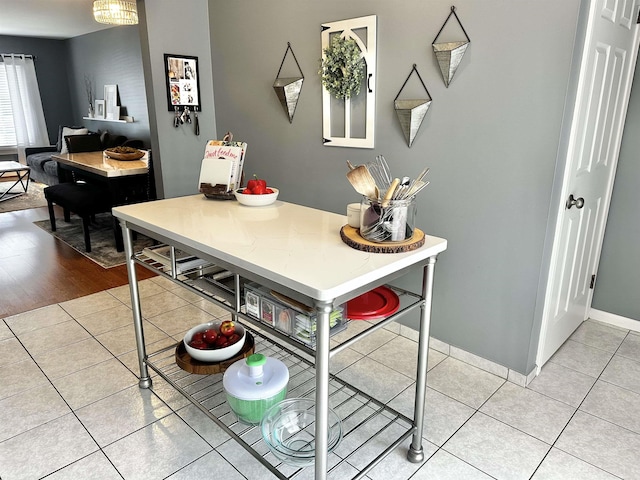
<point>34,197</point>
<point>103,246</point>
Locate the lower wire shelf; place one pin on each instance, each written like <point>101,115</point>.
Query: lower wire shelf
<point>371,430</point>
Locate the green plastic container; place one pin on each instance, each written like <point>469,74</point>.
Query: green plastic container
<point>253,385</point>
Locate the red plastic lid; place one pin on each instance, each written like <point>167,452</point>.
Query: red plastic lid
<point>375,304</point>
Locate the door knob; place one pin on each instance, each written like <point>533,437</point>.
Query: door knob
<point>578,202</point>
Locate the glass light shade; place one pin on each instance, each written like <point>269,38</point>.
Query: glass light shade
<point>115,12</point>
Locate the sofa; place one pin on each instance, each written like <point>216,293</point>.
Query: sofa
<point>45,170</point>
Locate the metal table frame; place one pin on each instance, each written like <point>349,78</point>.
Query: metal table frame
<point>323,352</point>
<point>22,171</point>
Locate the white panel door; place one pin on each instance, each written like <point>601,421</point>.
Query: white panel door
<point>608,64</point>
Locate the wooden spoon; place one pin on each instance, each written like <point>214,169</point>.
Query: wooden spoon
<point>389,194</point>
<point>362,181</point>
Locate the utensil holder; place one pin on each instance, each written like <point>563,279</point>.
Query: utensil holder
<point>383,221</point>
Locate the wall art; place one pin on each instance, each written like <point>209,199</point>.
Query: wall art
<point>99,110</point>
<point>449,54</point>
<point>411,112</point>
<point>288,88</point>
<point>183,82</point>
<point>111,109</point>
<point>348,93</point>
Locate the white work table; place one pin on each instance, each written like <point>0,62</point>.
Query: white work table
<point>292,249</point>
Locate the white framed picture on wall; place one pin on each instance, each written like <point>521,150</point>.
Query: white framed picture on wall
<point>112,111</point>
<point>100,112</point>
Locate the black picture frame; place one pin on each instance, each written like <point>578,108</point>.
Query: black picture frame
<point>183,82</point>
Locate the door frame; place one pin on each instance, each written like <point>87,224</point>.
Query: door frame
<point>562,192</point>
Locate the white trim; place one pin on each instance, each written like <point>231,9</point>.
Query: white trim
<point>587,70</point>
<point>470,358</point>
<point>615,320</point>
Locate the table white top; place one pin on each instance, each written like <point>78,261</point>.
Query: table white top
<point>100,164</point>
<point>292,245</point>
<point>11,166</point>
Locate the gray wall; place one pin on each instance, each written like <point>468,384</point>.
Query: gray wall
<point>491,139</point>
<point>107,57</point>
<point>616,288</point>
<point>111,56</point>
<point>178,152</point>
<point>51,70</point>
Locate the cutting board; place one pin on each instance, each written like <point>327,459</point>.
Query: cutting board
<point>351,236</point>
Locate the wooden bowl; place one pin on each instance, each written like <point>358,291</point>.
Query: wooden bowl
<point>124,156</point>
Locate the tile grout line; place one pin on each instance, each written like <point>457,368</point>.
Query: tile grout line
<point>577,409</point>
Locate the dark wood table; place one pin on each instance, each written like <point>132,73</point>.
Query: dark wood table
<point>127,181</point>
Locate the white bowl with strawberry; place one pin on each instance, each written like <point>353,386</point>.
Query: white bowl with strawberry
<point>215,341</point>
<point>256,193</point>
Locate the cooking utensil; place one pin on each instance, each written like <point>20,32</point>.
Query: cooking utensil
<point>384,166</point>
<point>417,187</point>
<point>402,188</point>
<point>253,385</point>
<point>378,174</point>
<point>362,181</point>
<point>389,195</point>
<point>423,174</point>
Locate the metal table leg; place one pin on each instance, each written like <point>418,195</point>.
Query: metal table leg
<point>323,311</point>
<point>22,175</point>
<point>145,379</point>
<point>416,452</point>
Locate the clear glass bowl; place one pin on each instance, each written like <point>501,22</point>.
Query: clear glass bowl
<point>288,429</point>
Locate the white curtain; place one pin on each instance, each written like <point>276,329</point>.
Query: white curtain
<point>26,105</point>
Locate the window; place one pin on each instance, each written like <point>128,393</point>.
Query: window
<point>22,121</point>
<point>7,129</point>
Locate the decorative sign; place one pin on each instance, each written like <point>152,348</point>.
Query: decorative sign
<point>183,82</point>
<point>350,122</point>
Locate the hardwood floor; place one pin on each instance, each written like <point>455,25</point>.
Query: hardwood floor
<point>37,270</point>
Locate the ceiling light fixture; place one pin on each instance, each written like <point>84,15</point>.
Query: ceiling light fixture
<point>115,12</point>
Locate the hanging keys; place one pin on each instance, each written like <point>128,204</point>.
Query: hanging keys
<point>176,117</point>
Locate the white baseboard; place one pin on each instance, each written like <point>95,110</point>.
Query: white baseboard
<point>474,360</point>
<point>615,320</point>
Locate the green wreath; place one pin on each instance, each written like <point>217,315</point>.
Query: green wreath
<point>342,68</point>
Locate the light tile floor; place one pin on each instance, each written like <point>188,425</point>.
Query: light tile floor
<point>70,406</point>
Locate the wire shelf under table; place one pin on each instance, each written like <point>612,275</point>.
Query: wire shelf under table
<point>371,430</point>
